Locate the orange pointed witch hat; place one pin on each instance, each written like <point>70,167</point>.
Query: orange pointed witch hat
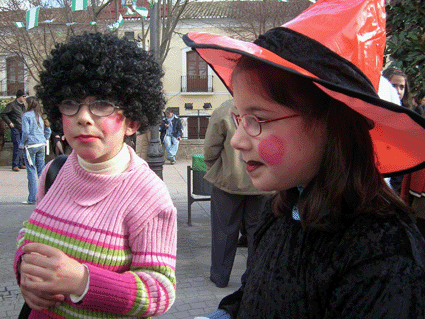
<point>339,45</point>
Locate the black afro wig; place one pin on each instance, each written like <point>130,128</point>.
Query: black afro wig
<point>104,66</point>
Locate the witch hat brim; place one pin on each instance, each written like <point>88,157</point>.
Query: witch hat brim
<point>398,134</point>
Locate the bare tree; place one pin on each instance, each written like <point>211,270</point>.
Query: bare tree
<point>249,19</point>
<point>55,25</point>
<point>171,12</point>
<point>58,22</point>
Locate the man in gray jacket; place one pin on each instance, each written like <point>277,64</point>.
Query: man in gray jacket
<point>234,200</point>
<point>12,116</point>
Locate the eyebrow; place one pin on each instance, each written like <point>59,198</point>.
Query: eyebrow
<point>258,109</point>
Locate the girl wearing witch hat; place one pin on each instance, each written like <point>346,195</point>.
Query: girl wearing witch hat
<point>336,241</point>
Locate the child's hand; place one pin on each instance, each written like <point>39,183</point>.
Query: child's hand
<point>47,270</point>
<point>41,300</point>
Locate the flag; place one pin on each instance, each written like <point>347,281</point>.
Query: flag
<point>32,18</point>
<point>93,23</point>
<point>142,11</point>
<point>116,24</point>
<point>119,23</point>
<point>19,24</point>
<point>130,12</point>
<point>79,5</point>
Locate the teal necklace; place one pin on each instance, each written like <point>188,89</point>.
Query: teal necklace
<point>295,214</point>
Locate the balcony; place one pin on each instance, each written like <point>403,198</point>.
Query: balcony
<point>197,83</point>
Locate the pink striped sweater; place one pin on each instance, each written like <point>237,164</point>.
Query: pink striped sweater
<point>123,227</point>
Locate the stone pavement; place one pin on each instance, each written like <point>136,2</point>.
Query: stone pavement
<point>196,294</point>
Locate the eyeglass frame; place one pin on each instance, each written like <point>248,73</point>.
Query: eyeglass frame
<point>90,108</point>
<point>238,119</point>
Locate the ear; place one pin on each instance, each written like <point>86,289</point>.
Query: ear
<point>132,127</point>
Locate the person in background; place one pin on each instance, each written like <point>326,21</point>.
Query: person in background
<point>101,242</point>
<point>3,129</point>
<point>12,116</point>
<point>401,83</point>
<point>142,144</point>
<point>171,133</point>
<point>387,92</point>
<point>335,241</point>
<point>234,200</point>
<point>33,143</point>
<point>419,103</point>
<point>413,193</point>
<point>59,143</point>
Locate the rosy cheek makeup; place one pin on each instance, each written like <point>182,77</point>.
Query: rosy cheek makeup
<point>112,123</point>
<point>66,124</point>
<point>271,150</point>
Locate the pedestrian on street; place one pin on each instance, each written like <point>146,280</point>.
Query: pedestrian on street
<point>33,143</point>
<point>171,134</point>
<point>12,116</point>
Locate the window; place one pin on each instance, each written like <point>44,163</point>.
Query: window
<point>15,75</point>
<point>196,73</point>
<point>197,127</point>
<point>129,35</point>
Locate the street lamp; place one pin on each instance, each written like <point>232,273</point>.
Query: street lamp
<point>155,155</point>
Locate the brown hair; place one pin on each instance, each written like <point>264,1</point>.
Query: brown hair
<point>389,73</point>
<point>348,176</point>
<point>33,104</point>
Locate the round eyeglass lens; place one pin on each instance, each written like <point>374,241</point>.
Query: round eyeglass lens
<point>251,125</point>
<point>102,108</point>
<point>69,107</point>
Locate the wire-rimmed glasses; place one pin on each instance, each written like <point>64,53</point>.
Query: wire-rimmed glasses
<point>100,108</point>
<point>252,125</point>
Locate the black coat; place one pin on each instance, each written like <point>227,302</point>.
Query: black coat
<point>12,113</point>
<point>177,127</point>
<point>374,268</point>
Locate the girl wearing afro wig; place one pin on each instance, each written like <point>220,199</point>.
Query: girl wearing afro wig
<point>101,242</point>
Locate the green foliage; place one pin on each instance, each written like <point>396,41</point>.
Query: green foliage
<point>406,40</point>
<point>3,103</point>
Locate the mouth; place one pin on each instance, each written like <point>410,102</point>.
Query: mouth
<point>86,138</point>
<point>252,166</point>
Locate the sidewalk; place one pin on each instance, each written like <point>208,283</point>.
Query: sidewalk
<point>196,294</point>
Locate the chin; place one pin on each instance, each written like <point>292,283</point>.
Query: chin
<point>266,187</point>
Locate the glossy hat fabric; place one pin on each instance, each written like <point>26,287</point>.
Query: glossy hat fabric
<point>339,45</point>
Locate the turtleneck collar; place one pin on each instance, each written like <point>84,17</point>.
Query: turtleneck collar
<point>116,165</point>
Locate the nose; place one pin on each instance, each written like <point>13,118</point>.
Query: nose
<point>400,92</point>
<point>240,140</point>
<point>84,115</point>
